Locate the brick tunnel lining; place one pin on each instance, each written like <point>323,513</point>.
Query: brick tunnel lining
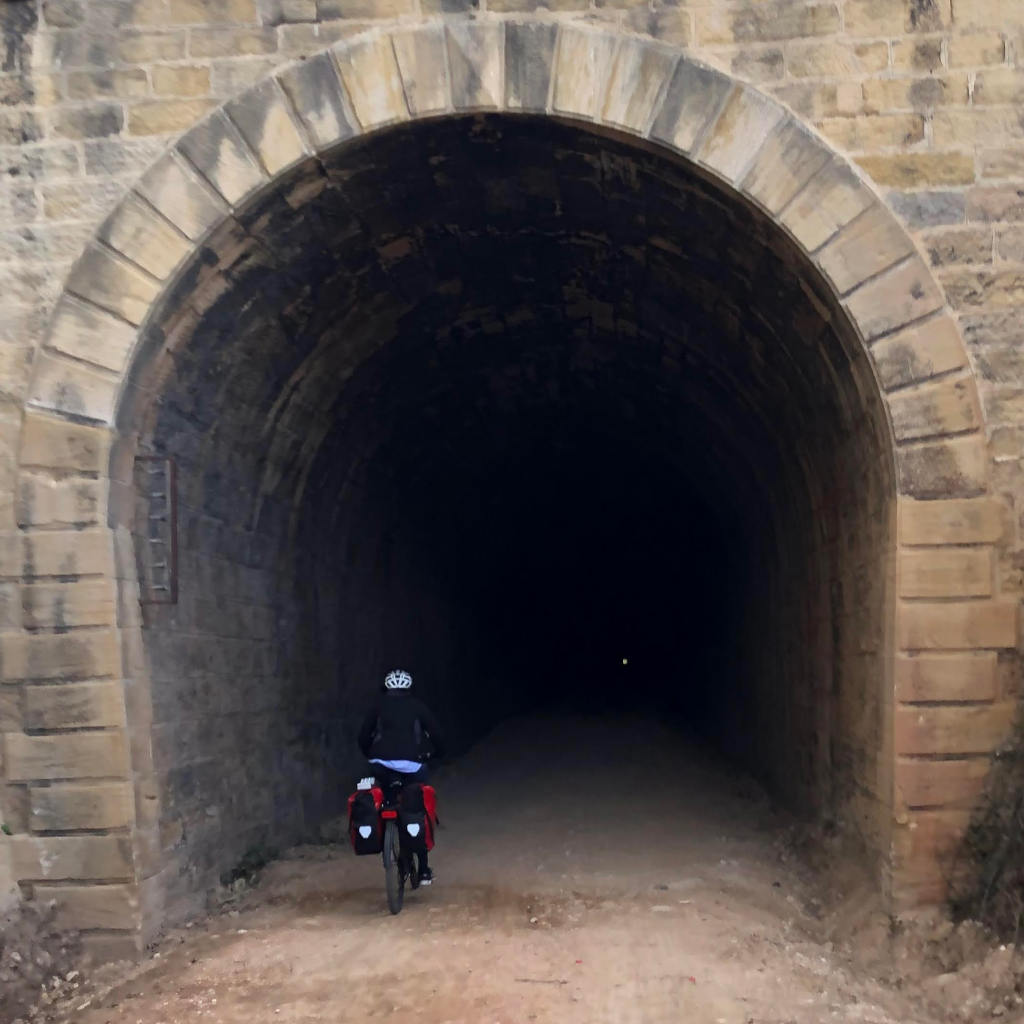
<point>505,400</point>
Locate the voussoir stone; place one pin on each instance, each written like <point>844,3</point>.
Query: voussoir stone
<point>693,98</point>
<point>529,57</point>
<point>475,65</point>
<point>264,120</point>
<point>114,284</point>
<point>422,62</point>
<point>182,196</point>
<point>866,246</point>
<point>740,129</point>
<point>582,66</point>
<point>145,237</point>
<point>894,299</point>
<point>832,198</point>
<point>639,73</point>
<point>84,331</point>
<point>785,163</point>
<point>369,72</point>
<point>315,91</point>
<point>919,352</point>
<point>215,147</point>
<point>73,388</point>
<point>930,409</point>
<point>947,468</point>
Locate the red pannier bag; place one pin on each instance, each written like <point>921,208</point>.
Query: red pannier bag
<point>417,817</point>
<point>365,829</point>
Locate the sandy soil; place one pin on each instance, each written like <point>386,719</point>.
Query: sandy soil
<point>585,873</point>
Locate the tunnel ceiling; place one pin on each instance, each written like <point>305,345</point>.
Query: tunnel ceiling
<point>444,293</point>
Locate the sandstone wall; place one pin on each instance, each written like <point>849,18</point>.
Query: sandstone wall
<point>926,96</point>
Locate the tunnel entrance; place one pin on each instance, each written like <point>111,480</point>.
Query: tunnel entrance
<point>542,415</point>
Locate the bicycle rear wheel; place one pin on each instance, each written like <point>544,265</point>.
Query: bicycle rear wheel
<point>394,876</point>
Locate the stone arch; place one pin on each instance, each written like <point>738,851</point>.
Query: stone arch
<point>948,623</point>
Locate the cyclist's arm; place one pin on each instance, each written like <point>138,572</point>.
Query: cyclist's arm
<point>433,730</point>
<point>366,732</point>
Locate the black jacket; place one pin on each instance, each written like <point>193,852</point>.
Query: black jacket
<point>400,727</point>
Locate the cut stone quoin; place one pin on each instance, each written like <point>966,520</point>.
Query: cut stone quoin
<point>584,75</point>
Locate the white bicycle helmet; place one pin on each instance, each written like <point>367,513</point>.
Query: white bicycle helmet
<point>398,680</point>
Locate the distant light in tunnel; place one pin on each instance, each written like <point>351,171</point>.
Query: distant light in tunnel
<point>625,661</point>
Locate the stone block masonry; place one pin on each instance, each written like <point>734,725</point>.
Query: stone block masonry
<point>886,136</point>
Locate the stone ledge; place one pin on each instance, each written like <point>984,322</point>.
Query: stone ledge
<point>60,858</point>
<point>949,406</point>
<point>951,521</point>
<point>43,502</point>
<point>951,730</point>
<point>960,625</point>
<point>919,352</point>
<point>940,469</point>
<point>54,443</point>
<point>951,784</point>
<point>70,807</point>
<point>75,706</point>
<point>93,906</point>
<point>946,572</point>
<point>950,677</point>
<point>91,654</point>
<point>80,755</point>
<point>67,605</point>
<point>66,553</point>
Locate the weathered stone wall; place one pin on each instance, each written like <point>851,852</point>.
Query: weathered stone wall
<point>925,95</point>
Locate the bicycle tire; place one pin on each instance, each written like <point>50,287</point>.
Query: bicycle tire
<point>394,879</point>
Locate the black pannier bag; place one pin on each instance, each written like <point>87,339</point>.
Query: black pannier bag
<point>364,825</point>
<point>414,822</point>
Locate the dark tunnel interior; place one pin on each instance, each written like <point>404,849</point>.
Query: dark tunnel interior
<point>542,415</point>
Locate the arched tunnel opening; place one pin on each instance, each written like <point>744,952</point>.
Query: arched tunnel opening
<point>544,416</point>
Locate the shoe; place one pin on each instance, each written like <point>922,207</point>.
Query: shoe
<point>426,877</point>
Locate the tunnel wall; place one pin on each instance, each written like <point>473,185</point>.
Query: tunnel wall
<point>80,791</point>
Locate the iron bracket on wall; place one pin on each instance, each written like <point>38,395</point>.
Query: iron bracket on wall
<point>156,529</point>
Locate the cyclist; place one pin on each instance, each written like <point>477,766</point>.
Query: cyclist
<point>397,733</point>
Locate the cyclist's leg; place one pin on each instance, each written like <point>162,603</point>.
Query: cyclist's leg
<point>426,875</point>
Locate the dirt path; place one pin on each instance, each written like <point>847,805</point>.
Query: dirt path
<point>607,875</point>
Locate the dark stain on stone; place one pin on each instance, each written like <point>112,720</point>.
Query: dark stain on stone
<point>18,20</point>
<point>924,15</point>
<point>926,93</point>
<point>899,365</point>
